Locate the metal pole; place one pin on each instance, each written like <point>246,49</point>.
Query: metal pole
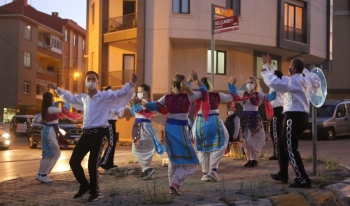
<point>212,43</point>
<point>314,139</point>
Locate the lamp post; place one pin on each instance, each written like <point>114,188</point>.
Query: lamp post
<point>75,75</point>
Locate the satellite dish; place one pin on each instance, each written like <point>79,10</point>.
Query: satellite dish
<point>318,96</point>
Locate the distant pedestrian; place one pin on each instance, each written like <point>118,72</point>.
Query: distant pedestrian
<point>96,105</point>
<point>232,125</point>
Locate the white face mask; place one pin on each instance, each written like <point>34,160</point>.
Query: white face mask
<point>91,85</point>
<point>250,87</point>
<point>230,113</point>
<point>139,95</point>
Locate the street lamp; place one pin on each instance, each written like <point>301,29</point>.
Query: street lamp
<point>75,75</point>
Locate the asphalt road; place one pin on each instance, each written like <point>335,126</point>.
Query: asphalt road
<point>21,161</point>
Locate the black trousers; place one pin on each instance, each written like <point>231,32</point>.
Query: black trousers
<point>89,142</point>
<point>108,156</point>
<point>276,127</point>
<point>294,124</point>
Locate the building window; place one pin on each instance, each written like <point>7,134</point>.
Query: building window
<point>84,45</point>
<point>40,89</point>
<point>219,62</point>
<point>28,32</point>
<point>181,6</point>
<point>235,5</point>
<point>74,63</point>
<point>26,87</point>
<point>26,59</point>
<point>75,40</point>
<point>56,42</point>
<point>93,13</point>
<point>293,22</point>
<point>66,35</point>
<point>66,61</point>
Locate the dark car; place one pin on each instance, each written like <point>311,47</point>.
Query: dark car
<point>72,131</point>
<point>333,119</point>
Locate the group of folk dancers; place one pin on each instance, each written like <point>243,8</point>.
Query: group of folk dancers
<point>187,145</point>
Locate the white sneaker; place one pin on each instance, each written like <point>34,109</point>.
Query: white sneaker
<point>44,179</point>
<point>36,177</point>
<point>205,178</point>
<point>214,176</point>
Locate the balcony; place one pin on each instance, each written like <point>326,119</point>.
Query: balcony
<point>121,28</point>
<point>119,78</point>
<point>295,34</point>
<point>122,23</point>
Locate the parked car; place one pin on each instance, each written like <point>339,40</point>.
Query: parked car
<point>5,138</point>
<point>333,119</point>
<point>72,131</point>
<point>20,124</point>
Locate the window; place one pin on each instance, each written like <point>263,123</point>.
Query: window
<point>84,45</point>
<point>93,13</point>
<point>341,112</point>
<point>293,23</point>
<point>128,62</point>
<point>235,5</point>
<point>66,36</point>
<point>66,61</point>
<point>56,42</point>
<point>26,87</point>
<point>181,6</point>
<point>75,40</point>
<point>26,59</point>
<point>219,62</point>
<point>74,63</point>
<point>28,32</point>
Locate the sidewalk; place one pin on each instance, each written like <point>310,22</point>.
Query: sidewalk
<point>239,186</point>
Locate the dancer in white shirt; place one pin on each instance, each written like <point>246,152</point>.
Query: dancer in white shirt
<point>296,109</point>
<point>96,105</point>
<point>277,104</point>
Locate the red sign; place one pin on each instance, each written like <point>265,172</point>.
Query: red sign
<point>225,24</point>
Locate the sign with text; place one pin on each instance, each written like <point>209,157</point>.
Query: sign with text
<point>222,12</point>
<point>225,24</point>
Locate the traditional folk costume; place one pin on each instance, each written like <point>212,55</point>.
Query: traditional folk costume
<point>211,136</point>
<point>295,108</point>
<point>183,158</point>
<point>276,122</point>
<point>49,141</point>
<point>251,125</point>
<point>95,122</point>
<point>107,161</point>
<point>145,139</point>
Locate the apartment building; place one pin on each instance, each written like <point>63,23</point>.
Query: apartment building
<point>37,49</point>
<point>160,38</point>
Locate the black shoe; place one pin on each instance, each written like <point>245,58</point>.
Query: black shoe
<point>253,163</point>
<point>114,166</point>
<point>301,183</point>
<point>93,198</point>
<point>148,173</point>
<point>273,158</point>
<point>247,164</point>
<point>82,191</point>
<point>277,177</point>
<point>105,167</point>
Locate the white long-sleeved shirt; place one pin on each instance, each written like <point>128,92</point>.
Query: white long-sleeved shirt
<point>278,102</point>
<point>97,108</point>
<point>115,113</point>
<point>294,88</point>
<point>53,110</point>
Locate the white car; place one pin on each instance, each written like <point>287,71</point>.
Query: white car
<point>20,123</point>
<point>5,139</point>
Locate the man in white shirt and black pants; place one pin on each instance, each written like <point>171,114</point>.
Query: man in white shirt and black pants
<point>96,105</point>
<point>276,122</point>
<point>107,161</point>
<point>296,109</point>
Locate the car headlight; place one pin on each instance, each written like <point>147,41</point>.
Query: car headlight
<point>5,135</point>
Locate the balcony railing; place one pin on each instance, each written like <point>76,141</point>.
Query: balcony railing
<point>44,71</point>
<point>118,78</point>
<point>294,34</point>
<point>122,23</point>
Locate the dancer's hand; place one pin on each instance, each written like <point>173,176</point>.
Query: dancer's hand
<point>194,75</point>
<point>51,86</point>
<point>134,78</point>
<point>232,79</point>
